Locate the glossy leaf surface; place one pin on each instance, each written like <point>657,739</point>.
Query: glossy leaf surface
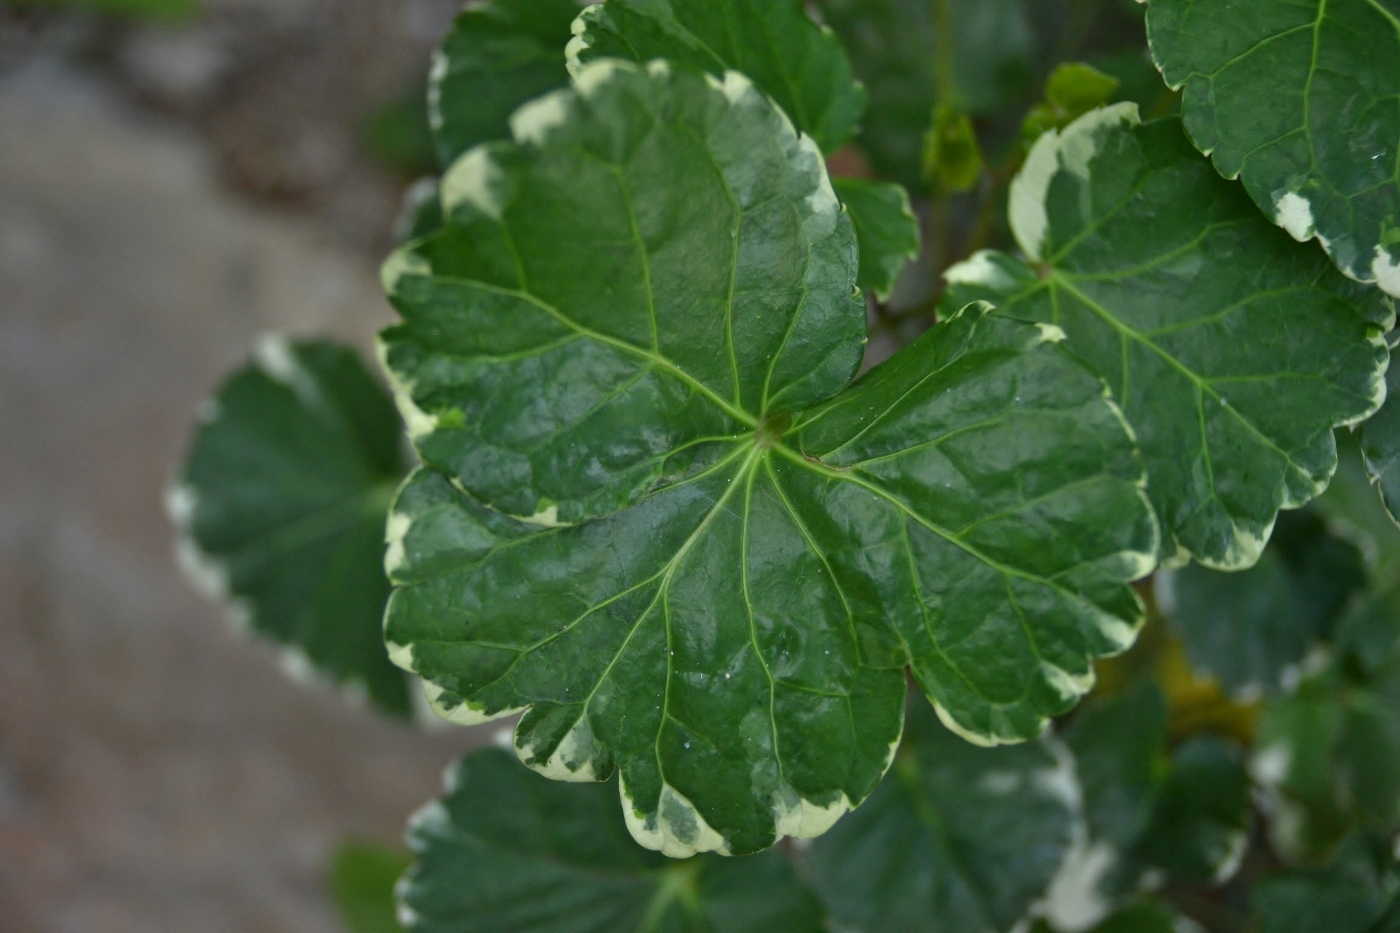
<point>497,56</point>
<point>773,42</point>
<point>1297,99</point>
<point>1233,350</point>
<point>956,838</point>
<point>1254,628</point>
<point>887,231</point>
<point>506,851</point>
<point>894,47</point>
<point>726,614</point>
<point>282,501</point>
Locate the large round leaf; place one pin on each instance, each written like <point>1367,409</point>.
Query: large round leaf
<point>790,58</point>
<point>282,502</point>
<point>1297,98</point>
<point>957,838</point>
<point>799,64</point>
<point>1233,350</point>
<point>1380,446</point>
<point>621,335</point>
<point>508,852</point>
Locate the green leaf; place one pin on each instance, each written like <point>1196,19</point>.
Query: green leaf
<point>1233,350</point>
<point>1380,446</point>
<point>956,838</point>
<point>362,880</point>
<point>1120,754</point>
<point>1143,917</point>
<point>790,58</point>
<point>1355,893</point>
<point>952,156</point>
<point>498,55</point>
<point>1331,753</point>
<point>621,335</point>
<point>886,230</point>
<point>1352,507</point>
<point>1298,100</point>
<point>1253,629</point>
<point>894,46</point>
<point>420,212</point>
<point>1201,820</point>
<point>506,851</point>
<point>282,501</point>
<point>1072,90</point>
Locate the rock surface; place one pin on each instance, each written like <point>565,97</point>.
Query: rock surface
<point>156,773</point>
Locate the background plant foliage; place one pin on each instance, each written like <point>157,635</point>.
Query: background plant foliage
<point>657,511</point>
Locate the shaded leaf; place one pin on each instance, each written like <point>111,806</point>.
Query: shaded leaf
<point>1233,350</point>
<point>1120,755</point>
<point>282,501</point>
<point>497,56</point>
<point>1380,446</point>
<point>719,583</point>
<point>773,42</point>
<point>1201,819</point>
<point>1355,893</point>
<point>506,851</point>
<point>362,881</point>
<point>894,46</point>
<point>1331,752</point>
<point>886,230</point>
<point>956,838</point>
<point>1253,629</point>
<point>1298,100</point>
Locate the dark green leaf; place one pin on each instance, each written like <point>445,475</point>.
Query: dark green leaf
<point>506,851</point>
<point>1233,350</point>
<point>1352,507</point>
<point>1297,98</point>
<point>1120,755</point>
<point>1356,893</point>
<point>1331,752</point>
<point>1380,446</point>
<point>362,880</point>
<point>621,330</point>
<point>498,55</point>
<point>956,838</point>
<point>773,42</point>
<point>1201,820</point>
<point>886,230</point>
<point>1253,629</point>
<point>1143,917</point>
<point>282,502</point>
<point>894,46</point>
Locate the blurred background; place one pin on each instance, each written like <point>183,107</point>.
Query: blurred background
<point>173,182</point>
<point>176,178</point>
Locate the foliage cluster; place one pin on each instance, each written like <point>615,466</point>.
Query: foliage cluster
<point>810,405</point>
